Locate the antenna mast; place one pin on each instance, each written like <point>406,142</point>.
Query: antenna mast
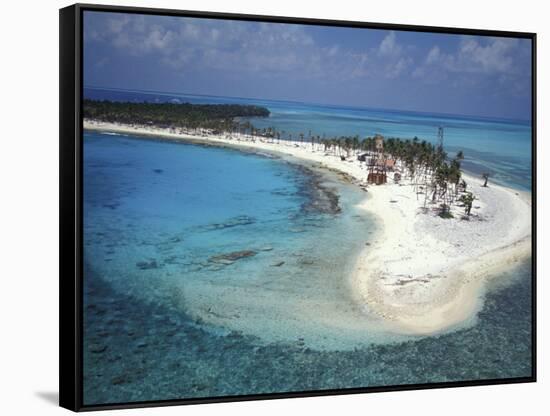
<point>440,137</point>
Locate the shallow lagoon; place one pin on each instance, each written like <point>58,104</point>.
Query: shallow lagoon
<point>171,311</point>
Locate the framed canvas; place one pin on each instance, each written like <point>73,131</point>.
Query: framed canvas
<point>258,207</point>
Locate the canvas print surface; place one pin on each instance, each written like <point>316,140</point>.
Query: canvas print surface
<point>274,208</point>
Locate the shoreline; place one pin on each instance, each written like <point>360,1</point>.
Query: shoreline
<point>420,274</point>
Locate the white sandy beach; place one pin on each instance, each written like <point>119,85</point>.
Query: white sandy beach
<point>421,274</point>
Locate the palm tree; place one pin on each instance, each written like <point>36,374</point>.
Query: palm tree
<point>467,199</point>
<point>455,174</point>
<point>355,143</point>
<point>486,177</point>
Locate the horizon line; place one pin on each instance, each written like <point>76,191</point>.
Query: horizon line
<point>522,120</point>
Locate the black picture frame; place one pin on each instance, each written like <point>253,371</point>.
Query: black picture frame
<point>70,213</point>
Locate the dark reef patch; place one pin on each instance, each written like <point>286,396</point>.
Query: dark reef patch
<point>230,258</point>
<point>231,222</point>
<point>319,197</point>
<point>147,265</point>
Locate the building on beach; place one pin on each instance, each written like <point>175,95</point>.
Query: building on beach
<point>379,143</point>
<point>378,163</point>
<point>377,178</point>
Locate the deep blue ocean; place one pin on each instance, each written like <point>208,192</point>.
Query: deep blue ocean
<point>213,272</point>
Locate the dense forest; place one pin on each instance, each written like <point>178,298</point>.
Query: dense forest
<point>207,116</point>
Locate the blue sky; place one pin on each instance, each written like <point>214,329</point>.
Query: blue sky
<point>473,75</point>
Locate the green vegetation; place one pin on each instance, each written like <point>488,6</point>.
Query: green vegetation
<point>467,199</point>
<point>220,117</point>
<point>428,166</point>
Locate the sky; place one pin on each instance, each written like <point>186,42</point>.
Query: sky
<point>426,72</point>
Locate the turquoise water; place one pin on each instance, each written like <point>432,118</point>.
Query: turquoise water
<point>501,147</point>
<point>217,232</point>
<point>214,272</point>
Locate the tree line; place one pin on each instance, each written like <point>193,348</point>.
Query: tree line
<point>169,115</point>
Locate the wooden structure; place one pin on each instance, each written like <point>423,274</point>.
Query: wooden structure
<point>377,178</point>
<point>379,143</point>
<point>378,163</point>
<point>387,164</point>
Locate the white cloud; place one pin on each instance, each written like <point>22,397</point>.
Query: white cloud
<point>273,50</point>
<point>333,51</point>
<point>391,59</point>
<point>389,46</point>
<point>434,55</point>
<point>397,68</point>
<point>268,49</point>
<point>160,40</point>
<point>361,68</point>
<point>476,55</point>
<point>117,24</point>
<point>477,60</point>
<point>492,57</point>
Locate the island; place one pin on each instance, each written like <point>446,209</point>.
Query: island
<point>441,233</point>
